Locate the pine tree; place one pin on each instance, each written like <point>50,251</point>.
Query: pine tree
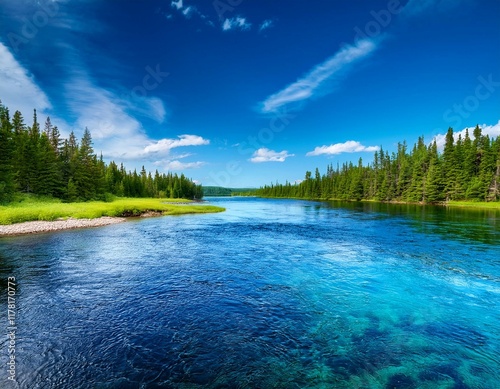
<point>494,188</point>
<point>6,156</point>
<point>48,127</point>
<point>416,191</point>
<point>85,168</point>
<point>404,171</point>
<point>55,140</point>
<point>29,158</point>
<point>434,190</point>
<point>49,181</point>
<point>356,189</point>
<point>449,165</point>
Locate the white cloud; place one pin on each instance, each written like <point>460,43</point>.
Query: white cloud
<point>265,155</point>
<point>165,145</point>
<point>116,133</point>
<point>19,90</point>
<point>156,109</point>
<point>236,23</point>
<point>178,165</point>
<point>187,11</point>
<point>173,163</point>
<point>176,4</point>
<point>347,147</point>
<point>265,25</point>
<point>491,130</point>
<point>309,85</point>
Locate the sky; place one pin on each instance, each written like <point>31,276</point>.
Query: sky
<point>243,93</point>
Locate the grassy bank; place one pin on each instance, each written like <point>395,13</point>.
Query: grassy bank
<point>49,210</point>
<point>474,204</point>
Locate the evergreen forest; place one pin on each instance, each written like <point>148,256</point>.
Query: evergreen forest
<point>38,161</point>
<point>468,169</point>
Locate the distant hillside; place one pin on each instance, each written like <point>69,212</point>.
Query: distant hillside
<point>220,191</point>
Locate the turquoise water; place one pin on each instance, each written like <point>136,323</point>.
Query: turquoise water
<point>269,294</point>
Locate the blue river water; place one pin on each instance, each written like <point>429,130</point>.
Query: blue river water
<point>269,294</point>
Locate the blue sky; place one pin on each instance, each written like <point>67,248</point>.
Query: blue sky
<point>246,92</point>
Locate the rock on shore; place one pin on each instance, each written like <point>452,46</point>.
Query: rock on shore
<point>57,225</point>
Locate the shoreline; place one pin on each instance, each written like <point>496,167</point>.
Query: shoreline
<point>32,215</point>
<point>41,226</point>
<point>478,205</point>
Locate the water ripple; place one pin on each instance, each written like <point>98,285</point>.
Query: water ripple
<point>283,294</point>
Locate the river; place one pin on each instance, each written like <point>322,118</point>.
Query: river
<point>269,294</point>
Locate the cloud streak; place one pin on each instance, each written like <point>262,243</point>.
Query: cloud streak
<point>350,146</point>
<point>417,7</point>
<point>238,22</point>
<point>19,89</point>
<point>309,85</point>
<point>178,165</point>
<point>265,155</point>
<point>265,25</point>
<point>115,132</point>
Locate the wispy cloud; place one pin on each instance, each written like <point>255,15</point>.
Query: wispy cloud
<point>187,10</point>
<point>418,7</point>
<point>350,146</point>
<point>19,88</point>
<point>265,155</point>
<point>177,165</point>
<point>265,25</point>
<point>311,84</point>
<point>228,24</point>
<point>111,117</point>
<point>236,23</point>
<point>173,162</point>
<point>491,130</point>
<point>116,133</point>
<point>114,119</point>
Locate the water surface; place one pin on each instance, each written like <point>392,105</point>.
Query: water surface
<point>271,293</point>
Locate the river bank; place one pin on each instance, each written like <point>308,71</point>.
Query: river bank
<point>35,215</point>
<point>35,227</point>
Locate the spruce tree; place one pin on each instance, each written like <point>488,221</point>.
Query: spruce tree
<point>6,156</point>
<point>85,170</point>
<point>30,157</point>
<point>49,181</point>
<point>434,190</point>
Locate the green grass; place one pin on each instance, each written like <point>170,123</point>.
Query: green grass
<point>30,209</point>
<point>474,204</point>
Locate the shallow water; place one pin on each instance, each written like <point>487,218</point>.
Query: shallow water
<point>271,293</point>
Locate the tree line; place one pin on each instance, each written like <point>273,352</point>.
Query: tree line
<point>467,169</point>
<point>40,162</point>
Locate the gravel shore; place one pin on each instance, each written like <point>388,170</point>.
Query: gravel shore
<point>57,225</point>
